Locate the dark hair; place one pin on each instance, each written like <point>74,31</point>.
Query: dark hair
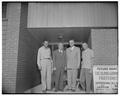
<point>45,41</point>
<point>85,43</point>
<point>71,40</point>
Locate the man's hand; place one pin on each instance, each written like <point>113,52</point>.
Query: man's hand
<point>40,68</point>
<point>54,69</point>
<point>51,62</point>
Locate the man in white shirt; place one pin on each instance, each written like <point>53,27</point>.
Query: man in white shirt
<point>87,67</point>
<point>44,63</point>
<point>73,64</point>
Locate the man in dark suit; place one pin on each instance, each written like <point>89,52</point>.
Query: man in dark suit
<point>59,65</point>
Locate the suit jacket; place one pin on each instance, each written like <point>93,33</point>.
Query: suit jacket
<point>73,58</point>
<point>59,59</point>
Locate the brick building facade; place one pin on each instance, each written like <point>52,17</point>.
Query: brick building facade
<point>21,40</point>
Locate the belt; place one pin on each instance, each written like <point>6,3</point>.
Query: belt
<point>45,58</point>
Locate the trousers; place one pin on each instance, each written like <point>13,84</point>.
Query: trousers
<point>59,79</point>
<point>86,79</point>
<point>71,78</point>
<point>46,74</point>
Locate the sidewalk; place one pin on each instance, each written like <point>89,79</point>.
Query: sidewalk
<point>38,88</point>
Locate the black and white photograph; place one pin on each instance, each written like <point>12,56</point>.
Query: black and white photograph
<point>59,47</point>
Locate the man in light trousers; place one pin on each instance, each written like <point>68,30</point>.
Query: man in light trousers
<point>73,64</point>
<point>44,63</point>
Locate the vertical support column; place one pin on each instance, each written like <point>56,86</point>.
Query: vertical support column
<point>9,67</point>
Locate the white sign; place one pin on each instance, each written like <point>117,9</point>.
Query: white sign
<point>105,78</point>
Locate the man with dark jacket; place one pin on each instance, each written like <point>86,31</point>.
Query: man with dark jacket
<point>59,65</point>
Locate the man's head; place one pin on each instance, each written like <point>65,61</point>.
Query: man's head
<point>45,43</point>
<point>71,42</point>
<point>85,46</point>
<point>60,46</point>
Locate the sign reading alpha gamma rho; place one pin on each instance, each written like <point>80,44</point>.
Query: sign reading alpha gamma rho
<point>105,78</point>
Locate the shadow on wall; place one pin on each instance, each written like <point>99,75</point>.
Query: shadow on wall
<point>28,74</point>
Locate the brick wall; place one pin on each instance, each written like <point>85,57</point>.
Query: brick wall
<point>28,74</point>
<point>27,71</point>
<point>4,31</point>
<point>10,46</point>
<point>105,44</point>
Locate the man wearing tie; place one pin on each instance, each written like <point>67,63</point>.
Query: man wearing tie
<point>59,65</point>
<point>44,63</point>
<point>73,63</point>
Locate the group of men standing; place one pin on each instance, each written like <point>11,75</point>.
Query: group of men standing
<point>69,60</point>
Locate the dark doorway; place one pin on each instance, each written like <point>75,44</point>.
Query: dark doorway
<point>28,75</point>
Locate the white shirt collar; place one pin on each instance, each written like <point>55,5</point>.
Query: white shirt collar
<point>60,51</point>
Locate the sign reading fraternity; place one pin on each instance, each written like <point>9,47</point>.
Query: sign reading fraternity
<point>105,78</point>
